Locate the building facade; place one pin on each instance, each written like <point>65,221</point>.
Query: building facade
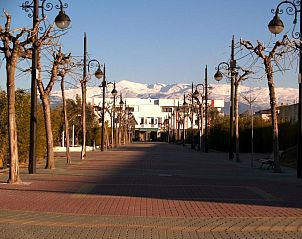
<point>153,116</point>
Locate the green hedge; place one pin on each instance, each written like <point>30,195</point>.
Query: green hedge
<point>263,135</point>
<point>22,120</point>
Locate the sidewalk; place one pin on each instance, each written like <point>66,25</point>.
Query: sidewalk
<point>152,190</point>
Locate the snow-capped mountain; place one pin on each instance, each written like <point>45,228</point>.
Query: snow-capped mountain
<point>216,91</point>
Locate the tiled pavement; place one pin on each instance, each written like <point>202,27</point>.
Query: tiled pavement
<point>152,190</point>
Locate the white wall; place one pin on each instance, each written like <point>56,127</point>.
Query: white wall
<point>151,108</point>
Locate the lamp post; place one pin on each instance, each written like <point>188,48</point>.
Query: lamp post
<point>192,117</point>
<point>121,103</point>
<point>173,126</point>
<point>206,145</point>
<point>62,21</point>
<point>99,74</point>
<point>276,26</point>
<point>200,102</point>
<point>169,128</point>
<point>112,114</point>
<point>184,108</point>
<point>177,122</point>
<point>199,113</point>
<point>203,101</point>
<point>218,77</point>
<point>114,93</point>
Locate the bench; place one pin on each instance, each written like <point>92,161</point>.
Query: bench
<point>269,161</point>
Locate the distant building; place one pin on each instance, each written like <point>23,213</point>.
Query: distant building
<point>264,114</point>
<point>152,114</point>
<point>287,113</point>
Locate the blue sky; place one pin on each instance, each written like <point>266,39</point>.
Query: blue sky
<point>159,41</point>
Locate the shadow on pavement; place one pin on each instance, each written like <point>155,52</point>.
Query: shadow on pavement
<point>166,171</point>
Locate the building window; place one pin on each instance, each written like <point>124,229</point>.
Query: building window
<point>159,120</point>
<point>142,120</point>
<point>166,109</point>
<point>130,109</point>
<point>156,102</point>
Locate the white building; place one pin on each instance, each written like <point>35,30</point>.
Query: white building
<point>151,114</point>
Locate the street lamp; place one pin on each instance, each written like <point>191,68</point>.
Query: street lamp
<point>169,128</point>
<point>276,26</point>
<point>112,114</point>
<point>173,126</point>
<point>184,108</point>
<point>100,74</point>
<point>201,99</point>
<point>192,118</point>
<point>199,109</point>
<point>121,103</point>
<point>177,122</point>
<point>218,77</point>
<point>62,21</point>
<point>201,102</point>
<point>114,94</point>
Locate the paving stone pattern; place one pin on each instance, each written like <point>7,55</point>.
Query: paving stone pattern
<point>152,190</point>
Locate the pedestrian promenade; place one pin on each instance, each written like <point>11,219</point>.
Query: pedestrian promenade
<point>152,190</point>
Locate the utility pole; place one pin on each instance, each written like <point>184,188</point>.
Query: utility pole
<point>233,75</point>
<point>206,147</point>
<point>192,117</point>
<point>103,109</point>
<point>33,100</point>
<point>83,85</point>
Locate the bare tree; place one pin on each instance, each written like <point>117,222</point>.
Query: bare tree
<point>59,59</point>
<point>238,79</point>
<point>62,73</point>
<point>271,58</point>
<point>68,67</point>
<point>68,158</point>
<point>14,46</point>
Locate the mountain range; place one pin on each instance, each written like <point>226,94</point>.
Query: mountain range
<point>129,89</point>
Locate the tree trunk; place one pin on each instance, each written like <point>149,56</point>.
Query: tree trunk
<point>50,160</point>
<point>271,86</point>
<point>68,158</point>
<point>44,96</point>
<point>14,176</point>
<point>236,85</point>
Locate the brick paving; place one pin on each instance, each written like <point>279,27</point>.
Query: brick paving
<point>152,190</point>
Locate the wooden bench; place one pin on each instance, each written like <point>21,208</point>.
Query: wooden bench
<point>269,161</point>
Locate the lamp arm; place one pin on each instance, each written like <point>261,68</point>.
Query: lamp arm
<point>90,64</point>
<point>222,63</point>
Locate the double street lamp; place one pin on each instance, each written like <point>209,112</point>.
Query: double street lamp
<point>114,94</point>
<point>62,21</point>
<point>218,77</point>
<point>185,111</point>
<point>202,101</point>
<point>276,26</point>
<point>101,73</point>
<point>173,126</point>
<point>199,97</point>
